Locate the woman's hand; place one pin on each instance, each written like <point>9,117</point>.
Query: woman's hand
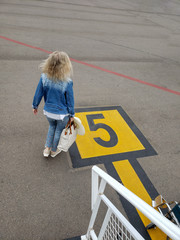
<point>71,119</point>
<point>35,111</point>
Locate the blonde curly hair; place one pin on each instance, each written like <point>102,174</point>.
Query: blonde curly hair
<point>57,66</point>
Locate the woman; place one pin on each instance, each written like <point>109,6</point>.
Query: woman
<point>56,87</point>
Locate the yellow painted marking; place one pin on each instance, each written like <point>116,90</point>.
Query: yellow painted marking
<point>127,140</point>
<point>131,181</point>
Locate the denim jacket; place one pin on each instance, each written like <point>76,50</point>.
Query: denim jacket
<point>58,96</point>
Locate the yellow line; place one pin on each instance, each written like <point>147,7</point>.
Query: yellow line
<point>131,181</point>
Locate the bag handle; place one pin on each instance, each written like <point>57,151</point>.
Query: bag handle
<point>69,125</point>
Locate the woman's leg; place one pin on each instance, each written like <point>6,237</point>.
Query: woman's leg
<point>51,132</point>
<point>61,124</point>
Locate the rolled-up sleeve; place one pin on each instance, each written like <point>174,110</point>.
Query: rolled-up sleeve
<point>70,99</point>
<point>38,94</point>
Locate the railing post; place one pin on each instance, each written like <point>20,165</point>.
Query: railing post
<point>94,188</point>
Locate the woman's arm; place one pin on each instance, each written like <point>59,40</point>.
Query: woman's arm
<point>70,99</point>
<point>38,96</point>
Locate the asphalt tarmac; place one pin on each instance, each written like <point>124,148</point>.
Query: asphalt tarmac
<point>48,199</point>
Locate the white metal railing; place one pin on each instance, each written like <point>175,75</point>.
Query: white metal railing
<point>115,225</point>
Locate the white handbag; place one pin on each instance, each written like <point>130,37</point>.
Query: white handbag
<point>68,137</point>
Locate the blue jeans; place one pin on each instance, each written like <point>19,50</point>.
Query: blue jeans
<point>55,129</point>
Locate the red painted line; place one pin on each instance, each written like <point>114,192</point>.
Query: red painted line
<point>127,77</point>
<point>24,44</point>
<point>99,68</point>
